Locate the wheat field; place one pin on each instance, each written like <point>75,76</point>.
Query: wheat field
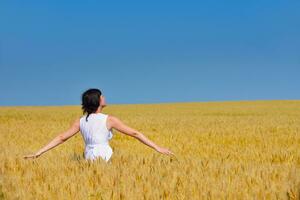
<point>224,150</point>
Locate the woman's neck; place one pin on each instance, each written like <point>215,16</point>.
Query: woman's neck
<point>99,110</point>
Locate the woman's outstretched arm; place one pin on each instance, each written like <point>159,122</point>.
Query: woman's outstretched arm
<point>114,122</point>
<point>59,139</point>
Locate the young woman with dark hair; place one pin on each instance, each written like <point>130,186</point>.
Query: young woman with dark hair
<point>96,130</point>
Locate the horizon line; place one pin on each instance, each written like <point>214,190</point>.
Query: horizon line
<point>171,102</point>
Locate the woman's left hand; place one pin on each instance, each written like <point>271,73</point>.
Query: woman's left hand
<point>32,156</point>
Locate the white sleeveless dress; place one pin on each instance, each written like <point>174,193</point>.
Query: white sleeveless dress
<point>96,136</point>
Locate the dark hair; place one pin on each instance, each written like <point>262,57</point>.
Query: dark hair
<point>90,101</point>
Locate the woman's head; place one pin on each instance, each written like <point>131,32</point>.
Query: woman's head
<point>91,99</point>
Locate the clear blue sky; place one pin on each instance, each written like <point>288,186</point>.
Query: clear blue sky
<point>148,51</point>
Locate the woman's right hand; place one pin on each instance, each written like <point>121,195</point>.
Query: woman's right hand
<point>164,151</point>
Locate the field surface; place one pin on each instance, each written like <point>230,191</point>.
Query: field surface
<point>224,150</point>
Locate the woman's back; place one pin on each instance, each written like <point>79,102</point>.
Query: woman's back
<point>96,136</point>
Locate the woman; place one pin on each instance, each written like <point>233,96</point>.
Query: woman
<point>96,130</point>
